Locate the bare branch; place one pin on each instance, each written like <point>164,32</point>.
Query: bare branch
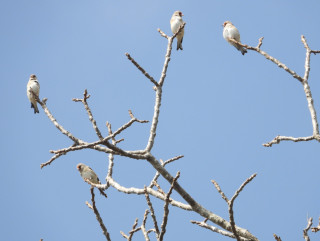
<point>143,226</point>
<point>166,208</point>
<point>141,69</point>
<point>89,205</point>
<point>220,191</point>
<point>277,139</point>
<point>196,207</point>
<point>215,229</point>
<point>96,212</point>
<point>307,90</point>
<point>316,229</point>
<point>133,230</point>
<point>159,188</point>
<point>79,145</point>
<point>230,204</point>
<point>152,192</point>
<point>231,201</point>
<point>242,186</point>
<point>51,160</point>
<point>277,238</point>
<point>305,231</point>
<point>55,122</point>
<point>155,223</point>
<point>86,106</point>
<point>272,59</point>
<point>163,34</point>
<point>303,81</point>
<point>154,180</point>
<point>99,188</point>
<point>155,118</point>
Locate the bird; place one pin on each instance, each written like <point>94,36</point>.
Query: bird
<point>33,85</point>
<point>231,32</point>
<point>175,22</point>
<point>88,174</point>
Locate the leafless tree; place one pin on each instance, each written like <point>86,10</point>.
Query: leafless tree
<point>109,146</point>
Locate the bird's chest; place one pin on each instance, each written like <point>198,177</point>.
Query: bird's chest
<point>175,25</point>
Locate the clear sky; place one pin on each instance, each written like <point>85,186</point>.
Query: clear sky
<point>218,108</point>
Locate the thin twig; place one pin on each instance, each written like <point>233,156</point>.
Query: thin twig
<point>55,122</point>
<point>305,231</point>
<point>215,229</point>
<point>133,228</point>
<point>316,229</point>
<point>272,59</point>
<point>231,202</point>
<point>155,223</point>
<point>143,226</point>
<point>277,139</point>
<point>277,238</point>
<point>96,212</point>
<point>111,157</point>
<point>141,69</point>
<point>155,178</point>
<point>86,106</point>
<point>166,208</point>
<point>79,144</point>
<point>307,90</point>
<point>224,197</point>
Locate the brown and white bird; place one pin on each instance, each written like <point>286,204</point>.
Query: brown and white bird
<point>231,32</point>
<point>33,85</point>
<point>175,23</point>
<point>88,174</point>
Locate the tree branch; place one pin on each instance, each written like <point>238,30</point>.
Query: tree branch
<point>306,87</point>
<point>142,70</point>
<point>305,231</point>
<point>86,106</point>
<point>96,212</point>
<point>216,230</point>
<point>166,208</point>
<point>155,223</point>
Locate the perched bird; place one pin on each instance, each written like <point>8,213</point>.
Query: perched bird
<point>33,85</point>
<point>175,22</point>
<point>88,174</point>
<point>231,32</point>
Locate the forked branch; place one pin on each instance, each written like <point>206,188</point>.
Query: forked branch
<point>303,80</point>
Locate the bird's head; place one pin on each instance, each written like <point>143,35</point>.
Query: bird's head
<point>225,23</point>
<point>80,167</point>
<point>178,13</point>
<point>33,76</point>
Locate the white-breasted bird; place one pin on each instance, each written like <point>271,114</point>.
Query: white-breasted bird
<point>33,85</point>
<point>175,23</point>
<point>231,32</point>
<point>88,174</point>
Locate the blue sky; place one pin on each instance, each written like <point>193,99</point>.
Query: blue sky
<point>218,108</point>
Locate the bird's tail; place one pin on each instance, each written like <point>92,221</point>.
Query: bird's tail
<point>179,43</point>
<point>35,107</point>
<point>103,193</point>
<point>243,51</point>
